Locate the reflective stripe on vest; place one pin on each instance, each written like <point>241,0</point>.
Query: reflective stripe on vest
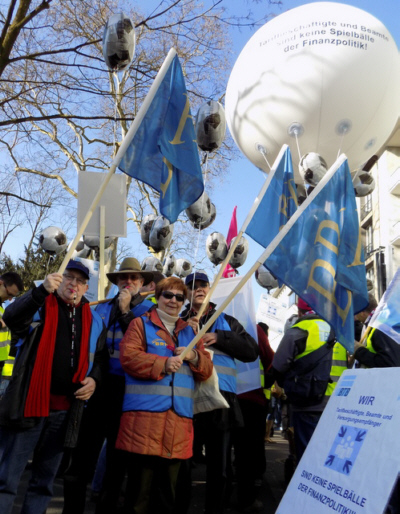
<point>173,391</point>
<point>115,334</point>
<point>224,364</point>
<point>8,367</point>
<point>318,334</point>
<point>339,364</point>
<point>5,340</point>
<point>369,346</point>
<point>267,392</point>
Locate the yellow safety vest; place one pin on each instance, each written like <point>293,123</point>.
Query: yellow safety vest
<point>339,364</point>
<point>369,346</point>
<point>5,341</point>
<point>318,333</point>
<point>267,392</point>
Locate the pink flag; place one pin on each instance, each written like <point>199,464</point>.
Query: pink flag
<point>232,232</point>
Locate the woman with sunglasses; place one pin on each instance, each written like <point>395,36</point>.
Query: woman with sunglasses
<point>156,429</point>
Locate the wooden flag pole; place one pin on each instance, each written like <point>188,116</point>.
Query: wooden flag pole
<point>121,152</point>
<point>267,252</point>
<point>105,300</point>
<point>250,215</point>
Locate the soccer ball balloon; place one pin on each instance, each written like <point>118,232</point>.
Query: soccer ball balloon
<point>93,242</point>
<point>240,253</point>
<point>265,278</point>
<point>207,223</point>
<point>53,240</point>
<point>118,42</point>
<point>81,250</point>
<point>145,228</point>
<point>169,266</point>
<point>216,248</point>
<point>200,211</point>
<point>363,183</point>
<point>183,268</point>
<point>210,126</point>
<point>151,263</point>
<point>312,168</point>
<point>161,234</point>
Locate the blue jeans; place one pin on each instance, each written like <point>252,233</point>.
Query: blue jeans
<point>304,424</point>
<point>45,441</point>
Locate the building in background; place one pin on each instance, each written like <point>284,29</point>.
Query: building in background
<point>380,217</point>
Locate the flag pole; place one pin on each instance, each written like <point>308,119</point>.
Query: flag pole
<point>249,217</point>
<point>267,252</point>
<point>121,152</point>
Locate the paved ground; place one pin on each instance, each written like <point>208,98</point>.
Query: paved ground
<point>271,493</point>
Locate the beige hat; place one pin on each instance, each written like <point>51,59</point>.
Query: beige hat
<point>130,265</point>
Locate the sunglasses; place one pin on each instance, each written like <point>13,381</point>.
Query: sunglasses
<point>168,296</point>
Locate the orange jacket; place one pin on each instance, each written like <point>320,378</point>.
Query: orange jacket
<point>164,434</point>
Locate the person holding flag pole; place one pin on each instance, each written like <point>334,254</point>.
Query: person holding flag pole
<point>228,340</point>
<point>327,302</point>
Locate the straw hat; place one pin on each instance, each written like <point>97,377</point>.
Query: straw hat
<point>130,265</point>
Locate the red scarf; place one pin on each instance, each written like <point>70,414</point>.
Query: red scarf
<point>38,398</point>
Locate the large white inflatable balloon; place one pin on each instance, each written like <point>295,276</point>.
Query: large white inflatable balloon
<point>118,42</point>
<point>53,240</point>
<point>325,72</point>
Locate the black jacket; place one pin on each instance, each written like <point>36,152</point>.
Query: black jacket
<point>387,352</point>
<point>19,317</point>
<point>236,343</point>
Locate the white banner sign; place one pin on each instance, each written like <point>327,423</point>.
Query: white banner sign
<point>352,460</point>
<point>241,308</point>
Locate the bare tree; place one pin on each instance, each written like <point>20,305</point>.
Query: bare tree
<point>63,112</point>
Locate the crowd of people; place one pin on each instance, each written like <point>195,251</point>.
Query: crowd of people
<point>108,391</point>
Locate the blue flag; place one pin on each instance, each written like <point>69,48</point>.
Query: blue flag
<point>163,153</point>
<point>321,257</point>
<point>277,205</point>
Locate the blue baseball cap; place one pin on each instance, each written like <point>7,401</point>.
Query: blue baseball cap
<point>198,275</point>
<point>79,267</point>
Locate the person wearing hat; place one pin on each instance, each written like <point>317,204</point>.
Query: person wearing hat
<point>61,359</point>
<point>229,341</point>
<point>302,366</point>
<point>102,418</point>
<point>151,286</point>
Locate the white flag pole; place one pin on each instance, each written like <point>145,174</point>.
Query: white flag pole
<point>249,217</point>
<point>121,152</point>
<point>267,252</point>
